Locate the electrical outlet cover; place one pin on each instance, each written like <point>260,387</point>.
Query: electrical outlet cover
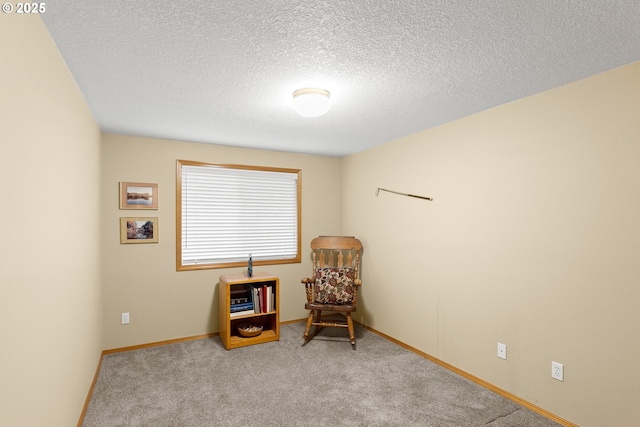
<point>557,371</point>
<point>502,351</point>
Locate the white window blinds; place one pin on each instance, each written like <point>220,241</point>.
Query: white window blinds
<point>228,212</point>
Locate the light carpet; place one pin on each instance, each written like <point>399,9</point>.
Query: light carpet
<point>199,383</point>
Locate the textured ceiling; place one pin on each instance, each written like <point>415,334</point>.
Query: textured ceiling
<point>223,71</point>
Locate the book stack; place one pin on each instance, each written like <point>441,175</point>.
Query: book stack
<point>241,302</point>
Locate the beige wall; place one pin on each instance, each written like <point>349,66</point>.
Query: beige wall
<point>142,279</point>
<point>532,240</point>
<point>50,294</point>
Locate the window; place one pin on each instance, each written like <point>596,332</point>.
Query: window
<point>227,212</point>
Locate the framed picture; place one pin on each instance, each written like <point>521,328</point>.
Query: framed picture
<point>139,230</point>
<point>138,195</point>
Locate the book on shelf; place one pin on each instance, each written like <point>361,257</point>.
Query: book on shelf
<point>268,299</point>
<point>241,313</point>
<point>256,301</point>
<point>241,307</point>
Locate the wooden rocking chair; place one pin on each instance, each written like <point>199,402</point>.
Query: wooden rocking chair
<point>334,285</point>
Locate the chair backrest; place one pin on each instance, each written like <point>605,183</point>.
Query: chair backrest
<point>337,252</point>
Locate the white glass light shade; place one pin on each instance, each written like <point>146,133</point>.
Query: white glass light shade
<point>311,102</point>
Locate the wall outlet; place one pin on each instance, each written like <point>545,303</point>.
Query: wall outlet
<point>557,371</point>
<point>502,351</point>
<point>125,318</point>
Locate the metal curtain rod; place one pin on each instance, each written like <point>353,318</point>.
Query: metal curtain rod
<point>403,194</point>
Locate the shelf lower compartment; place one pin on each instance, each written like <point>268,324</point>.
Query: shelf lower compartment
<point>266,336</point>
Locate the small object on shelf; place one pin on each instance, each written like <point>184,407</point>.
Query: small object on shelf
<point>250,267</point>
<point>235,301</point>
<point>249,329</point>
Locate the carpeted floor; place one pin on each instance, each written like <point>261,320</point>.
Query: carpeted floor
<point>199,383</point>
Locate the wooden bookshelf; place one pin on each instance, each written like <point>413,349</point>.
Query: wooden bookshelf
<point>269,320</point>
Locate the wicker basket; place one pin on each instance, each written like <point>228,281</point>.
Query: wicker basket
<point>249,330</point>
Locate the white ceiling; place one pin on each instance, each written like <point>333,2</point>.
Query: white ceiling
<point>223,71</point>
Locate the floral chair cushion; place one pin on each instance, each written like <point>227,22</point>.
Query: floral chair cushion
<point>334,285</point>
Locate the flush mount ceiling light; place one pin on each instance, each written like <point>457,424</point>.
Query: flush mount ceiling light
<point>311,102</point>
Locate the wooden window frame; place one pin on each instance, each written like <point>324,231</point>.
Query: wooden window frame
<point>256,261</point>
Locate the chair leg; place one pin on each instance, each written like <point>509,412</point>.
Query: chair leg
<point>318,320</point>
<point>314,315</point>
<point>306,331</point>
<point>352,335</point>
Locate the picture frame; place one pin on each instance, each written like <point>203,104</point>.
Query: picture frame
<point>138,195</point>
<point>139,230</point>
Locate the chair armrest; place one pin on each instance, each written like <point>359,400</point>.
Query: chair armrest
<point>357,282</point>
<point>308,286</point>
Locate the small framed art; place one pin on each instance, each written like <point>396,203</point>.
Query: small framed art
<point>138,195</point>
<point>139,230</point>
